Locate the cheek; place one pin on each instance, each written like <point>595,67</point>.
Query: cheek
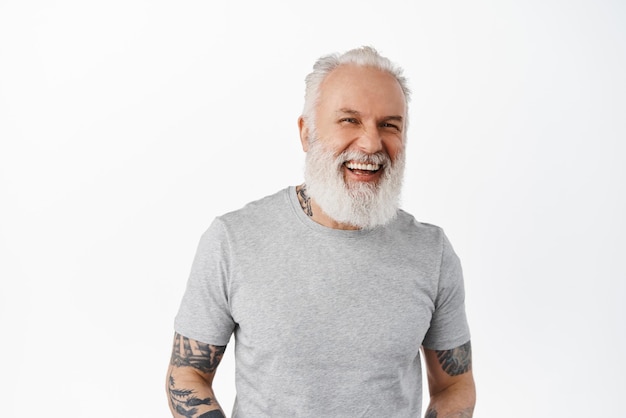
<point>338,141</point>
<point>394,147</point>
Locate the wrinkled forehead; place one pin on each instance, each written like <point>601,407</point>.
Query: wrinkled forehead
<point>363,89</point>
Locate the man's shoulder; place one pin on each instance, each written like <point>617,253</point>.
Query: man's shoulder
<point>407,229</point>
<point>405,220</point>
<point>276,198</point>
<point>257,212</point>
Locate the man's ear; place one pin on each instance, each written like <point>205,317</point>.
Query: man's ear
<point>304,133</point>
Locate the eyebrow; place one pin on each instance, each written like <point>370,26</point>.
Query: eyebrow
<point>350,111</point>
<point>395,117</point>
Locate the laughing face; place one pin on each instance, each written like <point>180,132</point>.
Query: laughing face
<point>355,150</point>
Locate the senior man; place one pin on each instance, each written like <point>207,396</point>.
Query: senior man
<point>331,290</point>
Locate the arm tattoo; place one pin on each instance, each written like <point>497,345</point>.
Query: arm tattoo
<point>305,200</point>
<point>466,413</point>
<point>456,361</point>
<point>216,413</point>
<point>185,402</point>
<point>204,357</point>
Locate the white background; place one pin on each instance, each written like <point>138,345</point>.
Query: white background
<point>126,126</point>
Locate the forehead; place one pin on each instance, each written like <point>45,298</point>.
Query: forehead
<point>364,89</point>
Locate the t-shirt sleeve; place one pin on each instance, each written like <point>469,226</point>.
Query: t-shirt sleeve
<point>204,312</point>
<point>448,328</point>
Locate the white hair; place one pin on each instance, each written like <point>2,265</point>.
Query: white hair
<point>360,204</point>
<point>365,56</point>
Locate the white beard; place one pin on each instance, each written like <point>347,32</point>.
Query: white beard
<point>360,204</point>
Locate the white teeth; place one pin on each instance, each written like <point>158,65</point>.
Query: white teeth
<point>361,166</point>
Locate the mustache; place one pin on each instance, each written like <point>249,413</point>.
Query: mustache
<point>379,157</point>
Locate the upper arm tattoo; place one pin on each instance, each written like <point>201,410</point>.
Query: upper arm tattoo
<point>457,360</point>
<point>191,353</point>
<point>187,401</point>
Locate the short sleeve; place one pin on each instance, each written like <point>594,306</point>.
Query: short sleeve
<point>448,328</point>
<point>204,312</point>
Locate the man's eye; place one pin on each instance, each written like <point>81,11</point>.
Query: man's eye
<point>390,125</point>
<point>349,120</point>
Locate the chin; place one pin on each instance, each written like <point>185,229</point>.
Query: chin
<point>362,204</point>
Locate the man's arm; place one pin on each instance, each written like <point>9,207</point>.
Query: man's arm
<point>450,382</point>
<point>190,378</point>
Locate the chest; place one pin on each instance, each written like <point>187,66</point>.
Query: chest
<point>335,302</point>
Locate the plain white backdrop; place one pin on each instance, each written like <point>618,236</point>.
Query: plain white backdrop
<point>127,126</point>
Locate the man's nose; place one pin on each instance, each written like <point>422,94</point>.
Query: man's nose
<point>370,140</point>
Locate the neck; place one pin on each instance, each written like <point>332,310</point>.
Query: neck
<point>313,211</point>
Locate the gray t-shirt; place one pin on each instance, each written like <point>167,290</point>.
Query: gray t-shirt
<point>327,323</point>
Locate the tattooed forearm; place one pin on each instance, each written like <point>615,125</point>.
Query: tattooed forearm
<point>466,413</point>
<point>305,200</point>
<point>456,361</point>
<point>204,357</point>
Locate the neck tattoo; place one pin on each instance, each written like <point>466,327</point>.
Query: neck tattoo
<point>305,200</point>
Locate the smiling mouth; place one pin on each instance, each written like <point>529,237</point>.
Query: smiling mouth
<point>362,167</point>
